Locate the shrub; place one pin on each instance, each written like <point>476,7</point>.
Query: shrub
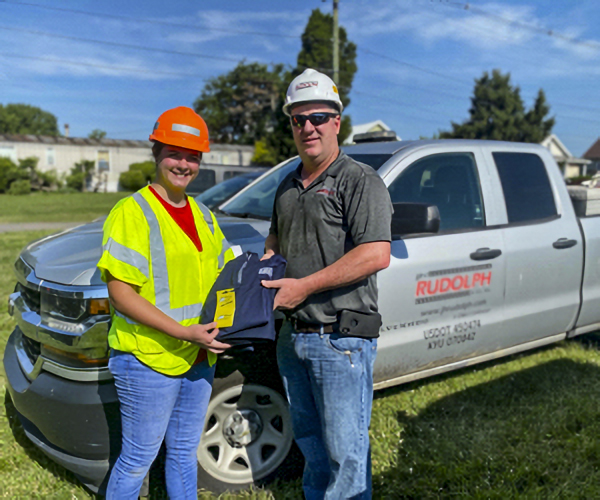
<point>9,173</point>
<point>76,181</point>
<point>132,180</point>
<point>576,181</point>
<point>20,187</point>
<point>147,168</point>
<point>50,180</point>
<point>81,174</point>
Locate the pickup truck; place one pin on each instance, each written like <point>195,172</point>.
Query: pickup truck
<point>489,258</point>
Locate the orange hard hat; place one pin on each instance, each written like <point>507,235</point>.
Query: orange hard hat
<point>181,127</point>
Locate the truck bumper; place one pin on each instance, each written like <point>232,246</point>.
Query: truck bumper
<point>77,424</point>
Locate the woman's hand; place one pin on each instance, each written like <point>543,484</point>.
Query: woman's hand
<point>202,336</point>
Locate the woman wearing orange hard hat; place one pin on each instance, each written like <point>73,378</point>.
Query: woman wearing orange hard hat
<point>162,252</point>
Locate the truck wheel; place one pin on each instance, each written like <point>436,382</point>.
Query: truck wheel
<point>247,435</point>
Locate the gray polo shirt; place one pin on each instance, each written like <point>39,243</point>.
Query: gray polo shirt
<point>345,206</point>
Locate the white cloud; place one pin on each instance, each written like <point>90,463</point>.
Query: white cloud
<point>484,27</point>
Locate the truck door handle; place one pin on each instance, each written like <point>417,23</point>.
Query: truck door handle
<point>564,243</point>
<point>486,253</point>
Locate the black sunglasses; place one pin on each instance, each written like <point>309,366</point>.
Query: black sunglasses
<point>315,119</point>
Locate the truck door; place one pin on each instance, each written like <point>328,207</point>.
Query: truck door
<point>544,251</point>
<point>441,298</point>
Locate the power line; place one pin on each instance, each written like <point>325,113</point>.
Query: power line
<point>413,66</point>
<point>129,69</point>
<point>147,21</point>
<point>192,54</point>
<point>117,44</point>
<point>523,25</point>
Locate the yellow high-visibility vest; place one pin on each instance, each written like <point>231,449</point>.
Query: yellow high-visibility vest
<point>144,247</point>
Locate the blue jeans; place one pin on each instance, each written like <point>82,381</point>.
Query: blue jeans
<point>156,407</point>
<point>329,383</point>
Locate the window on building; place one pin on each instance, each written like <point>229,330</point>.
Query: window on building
<point>50,160</point>
<point>448,181</point>
<point>8,152</point>
<point>103,161</point>
<point>526,186</point>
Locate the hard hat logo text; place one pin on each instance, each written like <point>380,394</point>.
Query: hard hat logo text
<point>306,85</point>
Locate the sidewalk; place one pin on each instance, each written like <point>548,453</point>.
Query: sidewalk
<point>35,226</point>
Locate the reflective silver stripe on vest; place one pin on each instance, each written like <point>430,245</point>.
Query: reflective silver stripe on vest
<point>207,214</point>
<point>178,127</point>
<point>224,247</point>
<point>160,273</point>
<point>127,255</point>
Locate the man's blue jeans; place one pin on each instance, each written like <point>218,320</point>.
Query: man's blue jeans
<point>329,383</point>
<point>156,407</point>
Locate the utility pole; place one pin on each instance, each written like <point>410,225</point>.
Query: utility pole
<point>336,44</point>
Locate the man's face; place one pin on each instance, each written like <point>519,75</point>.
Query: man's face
<point>177,167</point>
<point>316,142</point>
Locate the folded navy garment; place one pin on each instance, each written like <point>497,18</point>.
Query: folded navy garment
<point>237,301</point>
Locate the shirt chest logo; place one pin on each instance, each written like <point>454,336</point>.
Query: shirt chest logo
<point>326,191</point>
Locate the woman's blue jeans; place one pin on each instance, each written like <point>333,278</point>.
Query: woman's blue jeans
<point>156,407</point>
<point>329,382</point>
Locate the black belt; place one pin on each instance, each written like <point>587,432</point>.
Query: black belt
<point>304,327</point>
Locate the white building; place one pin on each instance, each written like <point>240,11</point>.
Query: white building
<point>111,156</point>
<point>363,128</point>
<point>570,165</point>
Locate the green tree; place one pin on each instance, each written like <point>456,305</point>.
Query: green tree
<point>239,106</point>
<point>97,134</point>
<point>9,173</point>
<point>139,175</point>
<point>264,154</point>
<point>26,119</point>
<point>244,105</point>
<point>317,53</point>
<point>147,168</point>
<point>497,112</point>
<point>81,175</point>
<point>132,180</point>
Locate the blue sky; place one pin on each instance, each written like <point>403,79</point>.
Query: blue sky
<point>417,59</point>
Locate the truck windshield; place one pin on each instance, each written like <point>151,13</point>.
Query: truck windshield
<point>257,201</point>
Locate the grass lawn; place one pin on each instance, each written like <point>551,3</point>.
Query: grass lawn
<point>524,427</point>
<point>56,207</point>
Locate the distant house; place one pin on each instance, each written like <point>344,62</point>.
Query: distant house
<point>593,154</point>
<point>376,126</point>
<point>570,165</point>
<point>111,156</point>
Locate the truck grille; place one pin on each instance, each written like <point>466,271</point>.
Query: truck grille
<point>31,348</point>
<point>31,297</point>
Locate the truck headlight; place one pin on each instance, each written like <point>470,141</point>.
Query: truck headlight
<point>77,359</point>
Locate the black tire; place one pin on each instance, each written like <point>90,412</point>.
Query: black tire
<point>247,438</point>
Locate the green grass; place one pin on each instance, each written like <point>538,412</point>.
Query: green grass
<point>56,207</point>
<point>524,427</point>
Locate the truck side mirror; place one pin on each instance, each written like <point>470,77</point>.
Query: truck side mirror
<point>414,218</point>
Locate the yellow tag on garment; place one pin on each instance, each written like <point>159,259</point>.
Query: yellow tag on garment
<point>225,310</point>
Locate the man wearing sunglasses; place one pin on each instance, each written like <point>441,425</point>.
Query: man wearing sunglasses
<point>331,221</point>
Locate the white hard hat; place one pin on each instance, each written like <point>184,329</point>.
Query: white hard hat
<point>312,86</point>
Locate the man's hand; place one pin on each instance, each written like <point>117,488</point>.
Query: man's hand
<point>268,254</point>
<point>202,336</point>
<point>290,292</point>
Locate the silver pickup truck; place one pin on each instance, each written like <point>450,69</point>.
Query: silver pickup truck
<point>489,258</point>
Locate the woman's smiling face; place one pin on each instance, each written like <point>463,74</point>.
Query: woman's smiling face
<point>176,167</point>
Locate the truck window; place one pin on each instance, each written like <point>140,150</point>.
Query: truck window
<point>206,179</point>
<point>447,180</point>
<point>526,186</point>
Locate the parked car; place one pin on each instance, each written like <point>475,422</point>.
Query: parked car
<point>489,258</point>
<point>220,193</point>
<point>211,175</point>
